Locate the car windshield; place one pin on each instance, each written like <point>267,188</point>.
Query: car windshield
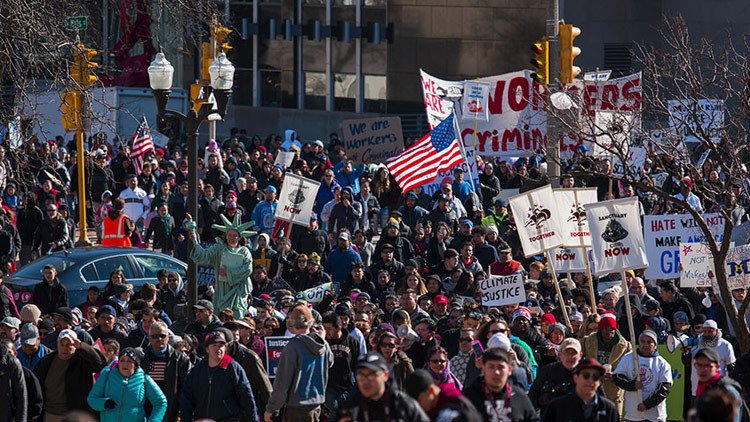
<point>34,269</point>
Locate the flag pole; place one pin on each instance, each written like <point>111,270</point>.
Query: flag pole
<point>460,140</point>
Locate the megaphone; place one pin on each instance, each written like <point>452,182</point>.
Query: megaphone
<point>677,342</point>
<point>405,332</point>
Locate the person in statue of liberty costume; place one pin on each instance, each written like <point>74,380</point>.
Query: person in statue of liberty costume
<point>232,262</point>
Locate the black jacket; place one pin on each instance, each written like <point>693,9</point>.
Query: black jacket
<point>34,397</point>
<point>51,230</point>
<point>78,378</point>
<point>552,381</point>
<point>569,408</point>
<point>256,373</point>
<point>48,298</point>
<point>158,228</point>
<point>307,242</point>
<point>12,388</point>
<point>178,368</point>
<point>521,408</point>
<point>394,406</point>
<point>217,393</point>
<point>28,220</point>
<point>195,328</point>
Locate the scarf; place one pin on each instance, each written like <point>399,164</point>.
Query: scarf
<point>710,344</point>
<point>165,220</point>
<point>702,386</point>
<point>607,347</point>
<point>445,377</point>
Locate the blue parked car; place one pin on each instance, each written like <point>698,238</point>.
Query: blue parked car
<point>80,268</point>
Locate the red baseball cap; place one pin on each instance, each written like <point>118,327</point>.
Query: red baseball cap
<point>440,300</point>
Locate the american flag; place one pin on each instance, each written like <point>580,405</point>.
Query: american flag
<point>420,164</point>
<point>142,143</point>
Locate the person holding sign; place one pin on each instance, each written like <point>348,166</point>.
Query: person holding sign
<point>647,390</point>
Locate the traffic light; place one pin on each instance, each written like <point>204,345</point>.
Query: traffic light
<point>72,107</point>
<point>541,61</point>
<point>568,53</point>
<point>221,35</point>
<point>83,67</point>
<point>206,59</point>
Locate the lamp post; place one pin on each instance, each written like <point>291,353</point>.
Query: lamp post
<point>160,74</point>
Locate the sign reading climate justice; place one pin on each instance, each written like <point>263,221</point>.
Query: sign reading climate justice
<point>502,290</point>
<point>616,235</point>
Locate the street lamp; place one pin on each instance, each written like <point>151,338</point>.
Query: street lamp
<point>160,75</point>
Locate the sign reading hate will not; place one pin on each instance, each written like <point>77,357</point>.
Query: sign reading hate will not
<point>373,140</point>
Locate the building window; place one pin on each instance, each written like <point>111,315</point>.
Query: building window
<point>270,88</point>
<point>618,58</point>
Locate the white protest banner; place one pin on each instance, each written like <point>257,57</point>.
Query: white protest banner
<point>570,260</point>
<point>689,119</point>
<point>536,216</point>
<point>664,233</point>
<point>610,133</point>
<point>635,161</point>
<point>616,235</point>
<point>517,123</point>
<point>446,176</point>
<point>373,140</point>
<point>475,100</point>
<point>436,103</point>
<point>738,270</point>
<point>498,290</point>
<point>697,261</point>
<point>316,294</point>
<point>296,199</point>
<point>575,228</point>
<point>285,158</point>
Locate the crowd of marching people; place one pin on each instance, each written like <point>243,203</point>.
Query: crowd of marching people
<point>400,335</point>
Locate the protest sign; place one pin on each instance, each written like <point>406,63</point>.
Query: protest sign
<point>636,158</point>
<point>296,199</point>
<point>475,99</point>
<point>502,290</point>
<point>610,132</point>
<point>573,224</point>
<point>570,260</point>
<point>697,262</point>
<point>664,233</point>
<point>536,216</point>
<point>274,346</point>
<point>695,121</point>
<point>316,294</point>
<point>446,176</point>
<point>738,267</point>
<point>616,235</point>
<point>517,122</point>
<point>373,140</point>
<point>285,158</point>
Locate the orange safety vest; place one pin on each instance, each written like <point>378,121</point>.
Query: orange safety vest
<point>114,232</point>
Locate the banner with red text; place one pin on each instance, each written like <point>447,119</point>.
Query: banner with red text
<point>517,120</point>
<point>616,236</point>
<point>575,227</point>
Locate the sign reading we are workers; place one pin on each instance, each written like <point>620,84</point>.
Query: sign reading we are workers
<point>373,140</point>
<point>296,199</point>
<point>616,235</point>
<point>536,216</point>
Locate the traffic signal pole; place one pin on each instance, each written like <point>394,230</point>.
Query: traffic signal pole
<point>553,122</point>
<point>83,237</point>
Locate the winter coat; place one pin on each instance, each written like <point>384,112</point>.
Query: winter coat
<point>49,231</point>
<point>217,393</point>
<point>403,249</point>
<point>29,218</point>
<point>34,397</point>
<point>307,242</point>
<point>85,362</point>
<point>170,299</point>
<point>339,263</point>
<point>255,371</point>
<point>401,407</point>
<point>129,394</point>
<point>343,217</point>
<point>590,345</point>
<point>520,405</point>
<point>48,298</point>
<point>8,306</point>
<point>570,408</point>
<point>12,388</point>
<point>175,374</point>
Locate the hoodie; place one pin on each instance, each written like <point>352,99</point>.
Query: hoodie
<point>302,374</point>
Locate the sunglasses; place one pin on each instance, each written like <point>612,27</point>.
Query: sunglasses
<point>438,361</point>
<point>388,345</point>
<point>158,336</point>
<point>466,340</point>
<point>589,376</point>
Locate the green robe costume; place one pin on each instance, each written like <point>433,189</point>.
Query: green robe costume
<point>232,267</point>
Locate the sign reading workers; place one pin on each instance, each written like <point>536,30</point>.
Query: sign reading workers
<point>664,233</point>
<point>503,290</point>
<point>296,199</point>
<point>373,140</point>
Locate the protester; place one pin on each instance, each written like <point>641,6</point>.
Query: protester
<point>440,403</point>
<point>584,403</point>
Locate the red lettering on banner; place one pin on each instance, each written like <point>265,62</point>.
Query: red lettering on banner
<point>629,93</point>
<point>608,253</point>
<point>428,85</point>
<point>511,136</point>
<point>565,256</point>
<point>659,225</point>
<point>291,210</point>
<point>433,102</point>
<point>515,101</point>
<point>610,95</point>
<point>495,103</point>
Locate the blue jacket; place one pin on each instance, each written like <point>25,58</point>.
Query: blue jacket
<point>264,215</point>
<point>351,179</point>
<point>324,196</point>
<point>30,362</point>
<point>130,394</point>
<point>217,393</point>
<point>339,263</point>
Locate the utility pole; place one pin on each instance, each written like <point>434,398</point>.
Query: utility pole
<point>553,122</point>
